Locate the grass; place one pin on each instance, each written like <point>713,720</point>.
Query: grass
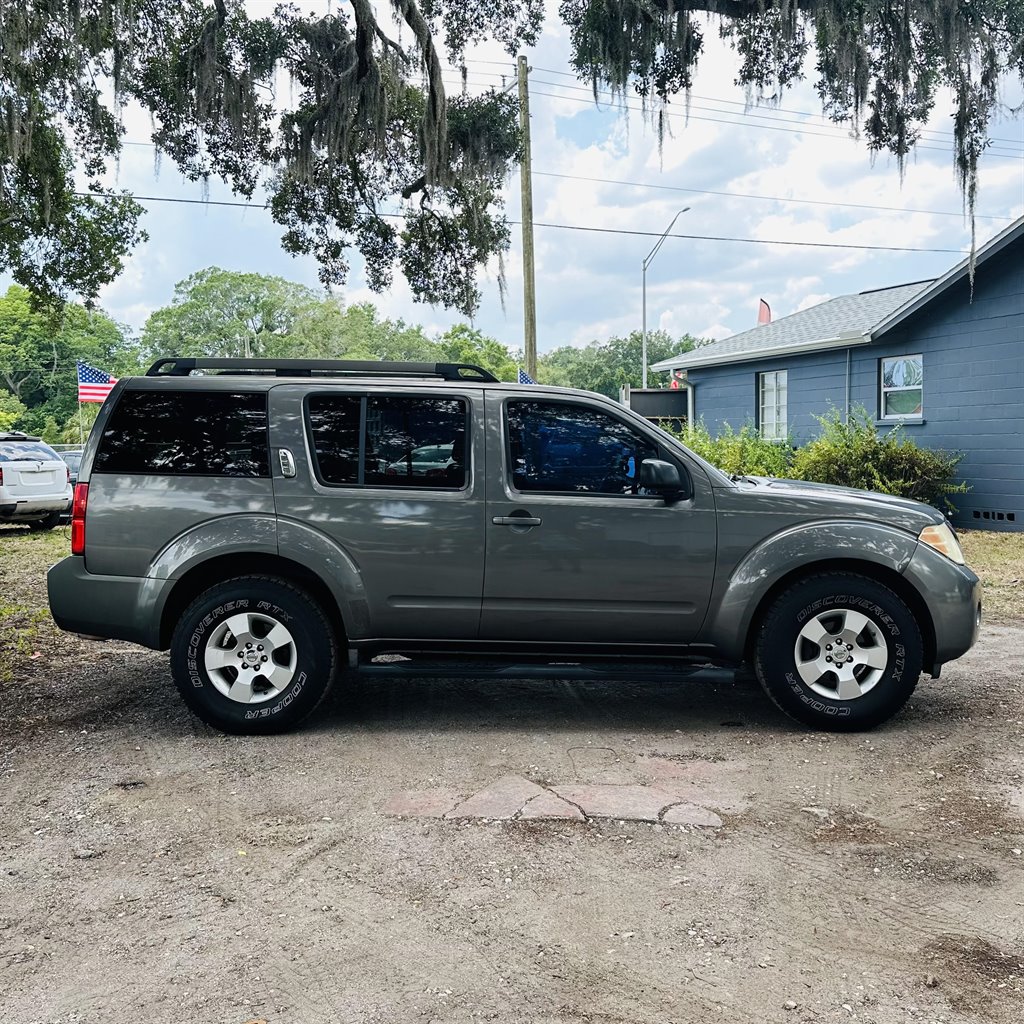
<point>25,623</point>
<point>998,558</point>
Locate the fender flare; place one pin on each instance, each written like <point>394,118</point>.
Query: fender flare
<point>811,546</point>
<point>266,535</point>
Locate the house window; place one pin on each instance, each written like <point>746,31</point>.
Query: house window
<point>901,381</point>
<point>771,405</point>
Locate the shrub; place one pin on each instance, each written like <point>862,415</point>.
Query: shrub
<point>743,452</point>
<point>854,454</point>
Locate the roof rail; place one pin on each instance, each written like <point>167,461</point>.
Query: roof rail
<point>183,367</point>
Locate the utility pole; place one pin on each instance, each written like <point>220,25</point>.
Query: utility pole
<point>526,181</point>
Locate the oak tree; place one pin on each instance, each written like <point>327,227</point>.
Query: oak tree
<point>343,120</point>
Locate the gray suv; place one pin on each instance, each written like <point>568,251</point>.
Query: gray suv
<point>277,523</point>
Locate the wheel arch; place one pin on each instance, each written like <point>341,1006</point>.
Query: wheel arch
<point>888,577</point>
<point>220,568</point>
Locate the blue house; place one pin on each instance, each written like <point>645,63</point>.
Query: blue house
<point>946,364</point>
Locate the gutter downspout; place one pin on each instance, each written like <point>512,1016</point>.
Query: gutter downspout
<point>849,355</point>
<point>690,403</point>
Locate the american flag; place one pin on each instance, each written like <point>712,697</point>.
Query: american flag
<point>93,385</point>
<point>525,378</point>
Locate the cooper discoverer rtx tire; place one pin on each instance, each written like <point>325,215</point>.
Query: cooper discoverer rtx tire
<point>254,654</point>
<point>839,651</point>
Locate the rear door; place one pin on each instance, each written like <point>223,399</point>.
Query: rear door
<point>576,553</point>
<point>395,478</point>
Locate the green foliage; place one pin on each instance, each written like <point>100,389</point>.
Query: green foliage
<point>38,351</point>
<point>11,409</point>
<point>218,313</point>
<point>464,344</point>
<point>741,453</point>
<point>604,366</point>
<point>224,313</point>
<point>850,454</point>
<point>364,124</point>
<point>854,454</point>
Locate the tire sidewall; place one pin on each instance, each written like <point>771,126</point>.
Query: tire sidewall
<point>314,646</point>
<point>777,661</point>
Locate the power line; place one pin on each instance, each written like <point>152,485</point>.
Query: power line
<point>584,227</point>
<point>737,103</point>
<point>747,118</point>
<point>746,195</point>
<point>767,127</point>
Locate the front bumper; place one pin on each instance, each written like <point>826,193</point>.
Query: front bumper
<point>953,595</point>
<point>111,607</point>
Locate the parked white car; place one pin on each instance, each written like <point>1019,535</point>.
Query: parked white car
<point>35,483</point>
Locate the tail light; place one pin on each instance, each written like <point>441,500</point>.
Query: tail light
<point>1,476</point>
<point>78,505</point>
<point>68,468</point>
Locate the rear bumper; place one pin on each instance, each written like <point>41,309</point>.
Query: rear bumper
<point>33,508</point>
<point>953,595</point>
<point>112,607</point>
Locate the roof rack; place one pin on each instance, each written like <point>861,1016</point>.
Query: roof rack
<point>183,367</point>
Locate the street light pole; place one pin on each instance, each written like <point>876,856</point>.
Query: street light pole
<point>648,259</point>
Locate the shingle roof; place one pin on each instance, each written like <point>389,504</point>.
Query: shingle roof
<point>844,316</point>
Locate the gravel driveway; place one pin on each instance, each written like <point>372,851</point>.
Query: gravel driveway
<point>153,870</point>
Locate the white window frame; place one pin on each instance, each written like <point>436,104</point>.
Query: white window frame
<point>775,427</point>
<point>883,390</point>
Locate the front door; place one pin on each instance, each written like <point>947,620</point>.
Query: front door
<point>576,553</point>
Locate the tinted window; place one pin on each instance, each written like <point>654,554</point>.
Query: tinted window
<point>416,442</point>
<point>409,441</point>
<point>74,461</point>
<point>187,433</point>
<point>334,424</point>
<point>32,451</point>
<point>556,446</point>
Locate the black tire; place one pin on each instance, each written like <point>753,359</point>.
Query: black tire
<point>309,661</point>
<point>821,604</point>
<point>46,523</point>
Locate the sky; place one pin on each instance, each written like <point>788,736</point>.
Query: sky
<point>769,174</point>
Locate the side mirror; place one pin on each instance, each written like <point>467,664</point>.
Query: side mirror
<point>662,478</point>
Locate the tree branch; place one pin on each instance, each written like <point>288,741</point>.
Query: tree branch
<point>435,127</point>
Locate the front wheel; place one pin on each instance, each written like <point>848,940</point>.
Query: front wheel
<point>253,655</point>
<point>839,651</point>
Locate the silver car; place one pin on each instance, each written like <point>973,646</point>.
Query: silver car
<point>35,484</point>
<point>251,517</point>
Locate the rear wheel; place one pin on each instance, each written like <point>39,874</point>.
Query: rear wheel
<point>46,523</point>
<point>253,655</point>
<point>839,651</point>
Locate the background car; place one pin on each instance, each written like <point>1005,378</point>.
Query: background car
<point>35,483</point>
<point>74,461</point>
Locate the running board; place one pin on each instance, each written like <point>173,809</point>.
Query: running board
<point>471,668</point>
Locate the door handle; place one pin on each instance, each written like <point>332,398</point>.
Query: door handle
<point>287,462</point>
<point>516,521</point>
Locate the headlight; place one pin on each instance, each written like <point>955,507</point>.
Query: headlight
<point>943,539</point>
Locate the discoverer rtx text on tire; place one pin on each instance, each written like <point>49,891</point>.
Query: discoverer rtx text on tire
<point>839,651</point>
<point>254,654</point>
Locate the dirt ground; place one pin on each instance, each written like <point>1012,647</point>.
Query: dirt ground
<point>152,870</point>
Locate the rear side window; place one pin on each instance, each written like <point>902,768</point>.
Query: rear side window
<point>389,440</point>
<point>26,451</point>
<point>187,433</point>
